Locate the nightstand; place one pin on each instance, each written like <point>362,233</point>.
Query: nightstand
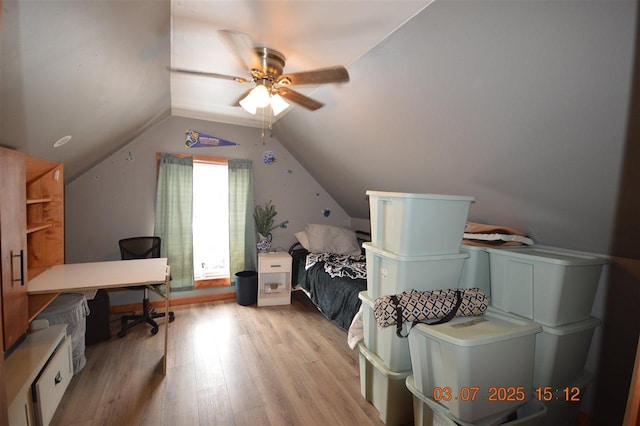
<point>274,278</point>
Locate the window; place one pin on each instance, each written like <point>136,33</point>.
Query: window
<point>210,222</point>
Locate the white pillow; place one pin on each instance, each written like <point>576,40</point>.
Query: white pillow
<point>331,239</point>
<point>303,239</point>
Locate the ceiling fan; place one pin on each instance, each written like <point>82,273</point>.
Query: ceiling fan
<point>265,67</point>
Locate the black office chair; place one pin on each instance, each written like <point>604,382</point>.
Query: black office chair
<point>141,248</point>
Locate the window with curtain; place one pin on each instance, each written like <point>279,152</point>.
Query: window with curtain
<point>175,215</point>
<point>242,230</point>
<point>210,222</point>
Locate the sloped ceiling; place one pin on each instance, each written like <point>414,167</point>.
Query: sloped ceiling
<point>310,34</point>
<point>91,69</point>
<point>521,104</point>
<point>97,70</point>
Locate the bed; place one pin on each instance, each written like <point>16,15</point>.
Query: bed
<point>331,274</point>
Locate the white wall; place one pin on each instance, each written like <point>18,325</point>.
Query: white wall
<point>116,198</point>
<point>521,104</point>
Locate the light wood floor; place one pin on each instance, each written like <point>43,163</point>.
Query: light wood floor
<point>227,365</point>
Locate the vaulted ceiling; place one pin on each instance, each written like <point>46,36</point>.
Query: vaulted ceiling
<point>522,104</point>
<point>97,70</point>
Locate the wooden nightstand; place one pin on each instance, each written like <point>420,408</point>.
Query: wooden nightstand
<point>274,278</point>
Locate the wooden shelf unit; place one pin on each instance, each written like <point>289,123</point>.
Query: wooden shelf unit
<point>31,240</point>
<point>45,215</point>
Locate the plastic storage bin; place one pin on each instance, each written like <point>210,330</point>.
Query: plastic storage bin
<point>389,273</point>
<point>492,353</point>
<point>475,270</point>
<point>70,309</point>
<point>418,224</point>
<point>551,286</point>
<point>562,410</point>
<point>561,352</point>
<point>383,341</point>
<point>385,389</point>
<point>427,412</point>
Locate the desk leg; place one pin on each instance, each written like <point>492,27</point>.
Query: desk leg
<point>165,296</point>
<point>167,287</point>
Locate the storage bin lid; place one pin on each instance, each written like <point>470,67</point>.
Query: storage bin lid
<point>379,365</point>
<point>421,196</point>
<point>489,328</point>
<point>384,253</point>
<point>472,248</point>
<point>550,255</point>
<point>575,327</point>
<point>366,299</point>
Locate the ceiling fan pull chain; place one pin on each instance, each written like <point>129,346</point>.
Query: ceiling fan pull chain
<point>262,127</point>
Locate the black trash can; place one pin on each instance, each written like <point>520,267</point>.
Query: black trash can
<point>247,288</point>
<point>98,329</point>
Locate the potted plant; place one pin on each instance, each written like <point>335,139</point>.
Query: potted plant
<point>264,216</point>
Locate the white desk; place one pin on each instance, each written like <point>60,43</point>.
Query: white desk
<point>72,277</point>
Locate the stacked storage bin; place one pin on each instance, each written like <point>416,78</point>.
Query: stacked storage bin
<point>556,288</point>
<point>415,244</point>
<point>477,370</point>
<point>547,287</point>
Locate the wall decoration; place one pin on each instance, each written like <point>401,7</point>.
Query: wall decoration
<point>199,140</point>
<point>269,157</point>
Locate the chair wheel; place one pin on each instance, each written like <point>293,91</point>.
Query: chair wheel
<point>121,333</point>
<point>171,317</point>
<point>154,330</point>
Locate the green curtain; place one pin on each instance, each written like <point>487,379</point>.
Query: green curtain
<point>174,217</point>
<point>242,229</point>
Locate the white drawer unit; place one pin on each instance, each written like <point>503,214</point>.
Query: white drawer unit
<point>274,279</point>
<point>21,409</point>
<point>53,381</point>
<point>38,373</point>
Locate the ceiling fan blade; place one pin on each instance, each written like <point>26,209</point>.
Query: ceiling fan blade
<point>242,48</point>
<point>299,98</point>
<point>337,74</point>
<point>210,74</point>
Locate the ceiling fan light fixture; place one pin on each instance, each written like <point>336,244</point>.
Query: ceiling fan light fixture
<point>278,104</point>
<point>261,96</point>
<point>249,104</point>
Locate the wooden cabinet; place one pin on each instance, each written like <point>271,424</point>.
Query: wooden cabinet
<point>13,246</point>
<point>31,239</point>
<point>31,235</point>
<point>45,214</point>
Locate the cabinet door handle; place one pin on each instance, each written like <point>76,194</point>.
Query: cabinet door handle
<point>57,379</point>
<point>21,256</point>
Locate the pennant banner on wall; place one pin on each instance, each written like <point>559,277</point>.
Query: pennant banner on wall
<point>200,140</point>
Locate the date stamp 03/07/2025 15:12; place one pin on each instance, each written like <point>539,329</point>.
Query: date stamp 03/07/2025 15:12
<point>506,393</point>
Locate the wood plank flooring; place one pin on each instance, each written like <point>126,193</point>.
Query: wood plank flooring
<point>227,365</point>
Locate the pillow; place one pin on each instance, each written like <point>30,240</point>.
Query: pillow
<point>331,239</point>
<point>303,239</point>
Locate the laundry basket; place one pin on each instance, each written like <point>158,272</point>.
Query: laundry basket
<point>70,309</point>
